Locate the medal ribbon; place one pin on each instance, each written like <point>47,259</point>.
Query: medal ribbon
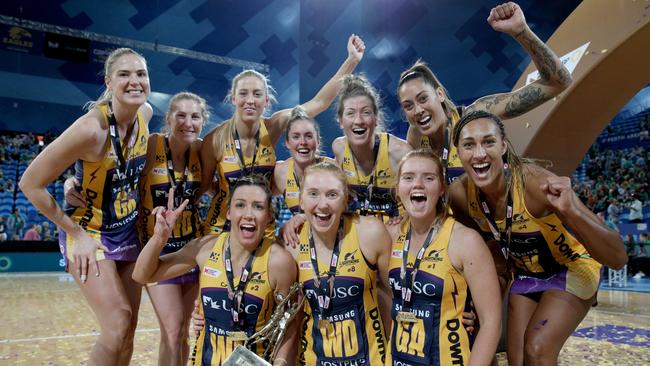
<point>406,282</point>
<point>503,238</point>
<point>240,153</point>
<point>324,287</point>
<point>238,293</point>
<point>121,164</point>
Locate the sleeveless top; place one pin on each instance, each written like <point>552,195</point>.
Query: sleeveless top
<point>381,182</point>
<point>215,344</point>
<point>455,167</point>
<point>541,247</point>
<point>355,334</point>
<point>230,168</point>
<point>112,195</point>
<point>154,189</point>
<point>292,189</point>
<point>439,296</point>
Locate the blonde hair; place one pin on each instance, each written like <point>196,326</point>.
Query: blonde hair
<point>203,105</point>
<point>225,130</point>
<point>358,85</point>
<point>327,167</point>
<point>107,95</point>
<point>442,206</point>
<point>270,92</point>
<point>420,70</point>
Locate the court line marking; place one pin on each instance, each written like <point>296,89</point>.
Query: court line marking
<point>608,312</point>
<point>80,335</point>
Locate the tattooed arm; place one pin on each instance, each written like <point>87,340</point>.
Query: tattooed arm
<point>554,77</point>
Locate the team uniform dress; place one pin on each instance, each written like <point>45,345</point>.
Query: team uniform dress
<point>110,187</point>
<point>449,158</point>
<point>349,331</point>
<point>154,189</point>
<point>218,339</point>
<point>542,252</point>
<point>433,334</point>
<point>292,189</point>
<point>373,193</point>
<point>234,165</point>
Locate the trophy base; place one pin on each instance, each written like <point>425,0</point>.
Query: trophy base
<point>242,356</point>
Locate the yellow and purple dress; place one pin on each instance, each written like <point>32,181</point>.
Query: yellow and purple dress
<point>544,254</point>
<point>354,333</point>
<point>437,298</point>
<point>216,342</point>
<point>110,187</point>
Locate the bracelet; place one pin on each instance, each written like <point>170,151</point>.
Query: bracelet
<point>280,359</point>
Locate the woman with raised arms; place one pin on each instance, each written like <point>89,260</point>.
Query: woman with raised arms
<point>245,143</point>
<point>432,114</point>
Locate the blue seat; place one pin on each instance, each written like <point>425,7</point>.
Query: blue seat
<point>5,209</point>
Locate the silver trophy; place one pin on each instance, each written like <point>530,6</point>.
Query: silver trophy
<point>272,332</point>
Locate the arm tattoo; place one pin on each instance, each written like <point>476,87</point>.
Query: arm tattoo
<point>545,60</point>
<point>488,103</point>
<point>524,100</point>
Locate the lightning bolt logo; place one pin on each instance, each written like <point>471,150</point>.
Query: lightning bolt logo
<point>93,175</point>
<point>349,256</point>
<point>454,293</point>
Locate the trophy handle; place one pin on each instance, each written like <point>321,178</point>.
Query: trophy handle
<point>274,330</point>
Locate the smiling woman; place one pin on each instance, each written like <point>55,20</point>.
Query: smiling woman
<point>108,146</point>
<point>245,143</point>
<point>339,258</point>
<point>552,242</point>
<point>173,162</point>
<point>431,113</point>
<point>368,156</point>
<point>435,263</point>
<point>239,270</point>
<point>303,142</point>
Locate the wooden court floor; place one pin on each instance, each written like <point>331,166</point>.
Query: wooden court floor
<point>45,321</point>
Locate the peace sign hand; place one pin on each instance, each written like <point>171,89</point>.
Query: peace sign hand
<point>166,217</point>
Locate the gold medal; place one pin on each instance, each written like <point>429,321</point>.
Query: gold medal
<point>406,317</point>
<point>324,323</point>
<point>238,336</point>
